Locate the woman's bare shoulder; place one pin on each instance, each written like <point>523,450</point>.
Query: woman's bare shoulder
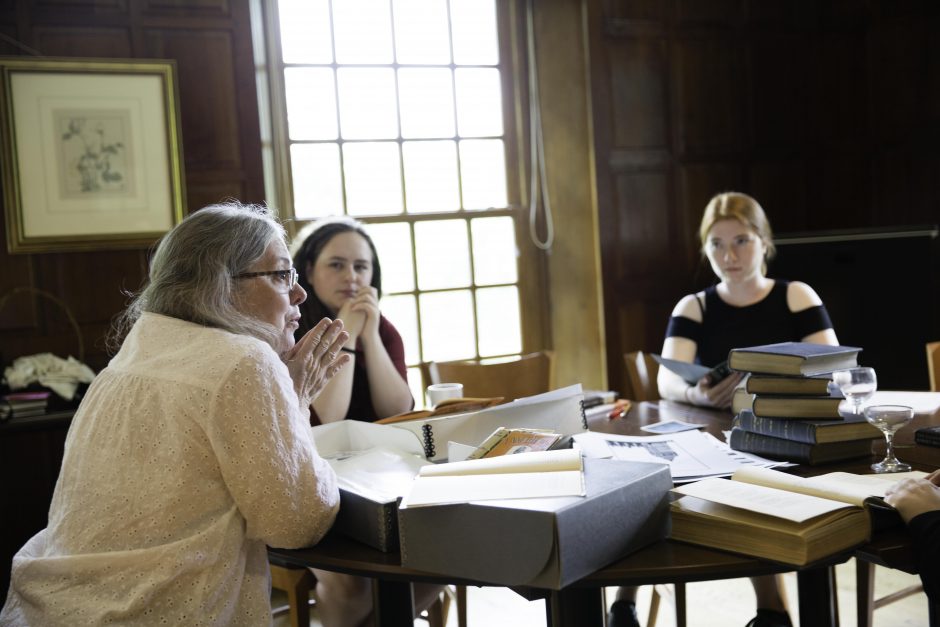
<point>690,306</point>
<point>801,296</point>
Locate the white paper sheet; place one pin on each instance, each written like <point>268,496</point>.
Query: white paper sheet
<point>921,402</point>
<point>689,454</point>
<point>760,499</point>
<point>525,475</point>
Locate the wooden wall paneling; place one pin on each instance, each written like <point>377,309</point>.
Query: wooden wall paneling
<point>639,100</point>
<point>711,95</point>
<point>715,12</point>
<point>898,90</point>
<point>187,7</point>
<point>83,42</point>
<point>903,177</point>
<point>644,228</point>
<point>647,10</point>
<point>29,461</point>
<point>91,6</point>
<point>839,188</point>
<point>779,95</point>
<point>781,14</point>
<point>780,186</point>
<point>209,114</point>
<point>837,112</point>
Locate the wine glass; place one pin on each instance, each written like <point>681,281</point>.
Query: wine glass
<point>889,418</point>
<point>857,385</point>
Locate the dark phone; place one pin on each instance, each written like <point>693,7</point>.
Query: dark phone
<point>718,373</point>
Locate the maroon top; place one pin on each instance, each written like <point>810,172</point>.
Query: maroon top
<point>360,405</point>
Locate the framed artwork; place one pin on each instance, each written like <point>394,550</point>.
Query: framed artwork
<point>91,153</point>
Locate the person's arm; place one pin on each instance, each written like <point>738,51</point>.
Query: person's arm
<point>260,435</point>
<point>333,403</point>
<point>802,298</point>
<point>672,386</point>
<point>918,502</point>
<point>386,366</point>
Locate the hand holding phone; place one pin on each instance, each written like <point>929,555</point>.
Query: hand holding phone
<point>718,373</point>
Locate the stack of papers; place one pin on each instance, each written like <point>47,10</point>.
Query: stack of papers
<point>525,475</point>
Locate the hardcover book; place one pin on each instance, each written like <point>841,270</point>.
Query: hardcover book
<point>792,407</point>
<point>800,452</point>
<point>23,404</point>
<point>853,427</point>
<point>928,435</point>
<point>793,358</point>
<point>505,441</point>
<point>780,517</point>
<point>692,373</point>
<point>797,386</point>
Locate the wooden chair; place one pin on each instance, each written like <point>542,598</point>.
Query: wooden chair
<point>642,371</point>
<point>512,378</point>
<point>933,365</point>
<point>297,582</point>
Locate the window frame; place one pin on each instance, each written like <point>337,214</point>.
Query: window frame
<point>531,265</point>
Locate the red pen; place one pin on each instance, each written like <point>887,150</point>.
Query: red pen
<point>619,410</point>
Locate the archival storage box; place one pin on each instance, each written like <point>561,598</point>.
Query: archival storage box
<point>374,465</point>
<point>545,542</point>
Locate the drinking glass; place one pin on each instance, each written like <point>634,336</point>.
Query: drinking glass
<point>889,418</point>
<point>857,385</point>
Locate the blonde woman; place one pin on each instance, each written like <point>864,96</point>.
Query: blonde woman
<point>745,308</point>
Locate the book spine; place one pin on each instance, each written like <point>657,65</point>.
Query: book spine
<point>767,446</point>
<point>928,439</point>
<point>794,430</point>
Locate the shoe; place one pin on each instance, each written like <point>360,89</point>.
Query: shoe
<point>622,614</point>
<point>770,618</point>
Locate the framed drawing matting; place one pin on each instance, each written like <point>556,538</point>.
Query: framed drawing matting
<point>91,153</point>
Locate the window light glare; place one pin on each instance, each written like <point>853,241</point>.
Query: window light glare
<point>305,31</point>
<point>363,31</point>
<point>421,34</point>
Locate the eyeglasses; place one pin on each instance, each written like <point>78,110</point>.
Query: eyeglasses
<point>737,244</point>
<point>284,278</point>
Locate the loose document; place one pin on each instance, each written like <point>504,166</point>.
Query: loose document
<point>691,455</point>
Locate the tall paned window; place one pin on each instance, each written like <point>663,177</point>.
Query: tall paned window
<point>396,112</point>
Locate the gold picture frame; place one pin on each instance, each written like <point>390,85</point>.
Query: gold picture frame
<point>91,153</point>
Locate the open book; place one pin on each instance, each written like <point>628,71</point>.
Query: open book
<point>526,475</point>
<point>780,517</point>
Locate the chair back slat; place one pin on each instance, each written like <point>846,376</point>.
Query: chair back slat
<point>642,371</point>
<point>514,378</point>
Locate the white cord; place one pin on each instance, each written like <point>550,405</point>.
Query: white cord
<point>537,181</point>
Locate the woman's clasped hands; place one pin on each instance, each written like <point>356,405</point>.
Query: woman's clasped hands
<point>361,314</point>
<point>316,358</point>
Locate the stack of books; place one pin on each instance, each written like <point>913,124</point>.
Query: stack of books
<point>788,408</point>
<point>23,404</point>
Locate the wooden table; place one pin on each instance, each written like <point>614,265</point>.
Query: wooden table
<point>666,561</point>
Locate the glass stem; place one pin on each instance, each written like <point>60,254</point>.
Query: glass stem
<point>889,454</point>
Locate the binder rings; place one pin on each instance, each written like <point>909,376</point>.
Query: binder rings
<point>560,410</point>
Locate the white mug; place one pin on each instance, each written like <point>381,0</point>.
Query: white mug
<point>437,392</point>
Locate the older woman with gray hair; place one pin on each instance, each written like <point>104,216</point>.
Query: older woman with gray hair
<point>192,450</point>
